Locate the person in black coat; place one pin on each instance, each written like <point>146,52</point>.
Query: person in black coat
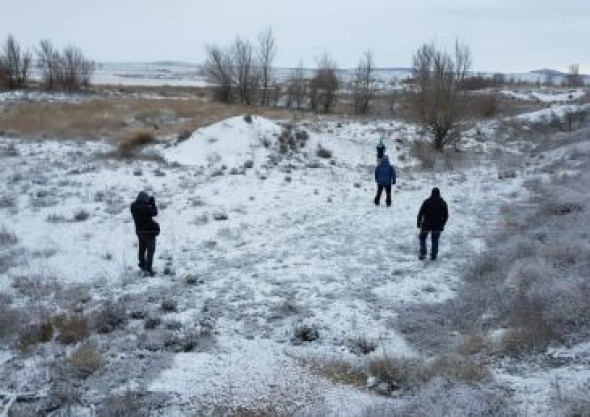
<point>384,177</point>
<point>142,210</point>
<point>432,217</point>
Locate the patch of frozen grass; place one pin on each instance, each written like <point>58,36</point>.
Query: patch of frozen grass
<point>86,360</point>
<point>7,238</point>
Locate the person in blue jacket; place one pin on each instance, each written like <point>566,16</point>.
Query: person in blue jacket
<point>385,178</point>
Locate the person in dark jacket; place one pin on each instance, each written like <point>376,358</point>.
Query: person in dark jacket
<point>142,210</point>
<point>384,177</point>
<point>432,217</point>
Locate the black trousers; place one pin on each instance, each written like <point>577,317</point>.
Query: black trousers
<point>146,249</point>
<point>434,237</point>
<point>380,188</point>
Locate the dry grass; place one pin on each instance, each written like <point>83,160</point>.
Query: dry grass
<point>132,141</point>
<point>116,117</point>
<point>86,360</point>
<point>339,371</point>
<point>72,329</point>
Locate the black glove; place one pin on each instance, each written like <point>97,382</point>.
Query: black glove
<point>152,201</point>
<point>419,225</point>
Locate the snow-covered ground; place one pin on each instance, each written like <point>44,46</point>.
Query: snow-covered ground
<point>254,246</point>
<point>546,95</point>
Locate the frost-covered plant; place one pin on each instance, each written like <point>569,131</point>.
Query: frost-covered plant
<point>81,215</point>
<point>86,360</point>
<point>305,333</point>
<point>443,398</point>
<point>110,316</point>
<point>322,152</point>
<point>7,238</point>
<point>362,345</point>
<point>128,404</point>
<point>72,328</point>
<point>130,144</point>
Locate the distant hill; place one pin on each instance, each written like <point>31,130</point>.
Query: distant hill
<point>548,71</point>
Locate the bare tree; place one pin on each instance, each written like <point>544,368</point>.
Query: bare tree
<point>363,90</point>
<point>296,88</point>
<point>323,86</point>
<point>267,50</point>
<point>69,70</point>
<point>48,61</point>
<point>573,77</point>
<point>233,72</point>
<point>14,64</point>
<point>439,76</point>
<point>245,72</point>
<point>75,70</point>
<point>218,70</point>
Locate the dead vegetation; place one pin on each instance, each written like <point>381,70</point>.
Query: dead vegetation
<point>115,117</point>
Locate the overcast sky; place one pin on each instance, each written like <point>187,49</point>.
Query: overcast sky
<point>503,35</point>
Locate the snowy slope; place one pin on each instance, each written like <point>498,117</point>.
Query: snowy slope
<point>271,248</point>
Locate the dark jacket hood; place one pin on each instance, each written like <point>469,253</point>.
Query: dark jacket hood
<point>142,197</point>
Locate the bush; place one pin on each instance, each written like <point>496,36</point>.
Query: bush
<point>109,317</point>
<point>31,335</point>
<point>134,141</point>
<point>169,305</point>
<point>362,345</point>
<point>8,320</point>
<point>442,398</point>
<point>86,360</point>
<point>81,215</point>
<point>396,373</point>
<point>425,153</point>
<point>457,368</point>
<point>72,328</point>
<point>7,238</point>
<point>7,201</point>
<point>324,153</point>
<point>488,106</point>
<point>128,404</point>
<point>306,333</point>
<point>339,371</point>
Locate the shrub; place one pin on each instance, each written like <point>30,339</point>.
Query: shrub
<point>128,404</point>
<point>132,142</point>
<point>529,329</point>
<point>169,305</point>
<point>339,371</point>
<point>86,360</point>
<point>7,238</point>
<point>362,345</point>
<point>151,322</point>
<point>322,152</point>
<point>488,106</point>
<point>80,216</point>
<point>425,153</point>
<point>7,201</point>
<point>306,333</point>
<point>72,328</point>
<point>8,320</point>
<point>396,373</point>
<point>109,317</point>
<point>441,398</point>
<point>220,216</point>
<point>457,368</point>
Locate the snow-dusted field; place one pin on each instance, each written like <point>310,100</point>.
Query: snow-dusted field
<point>257,247</point>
